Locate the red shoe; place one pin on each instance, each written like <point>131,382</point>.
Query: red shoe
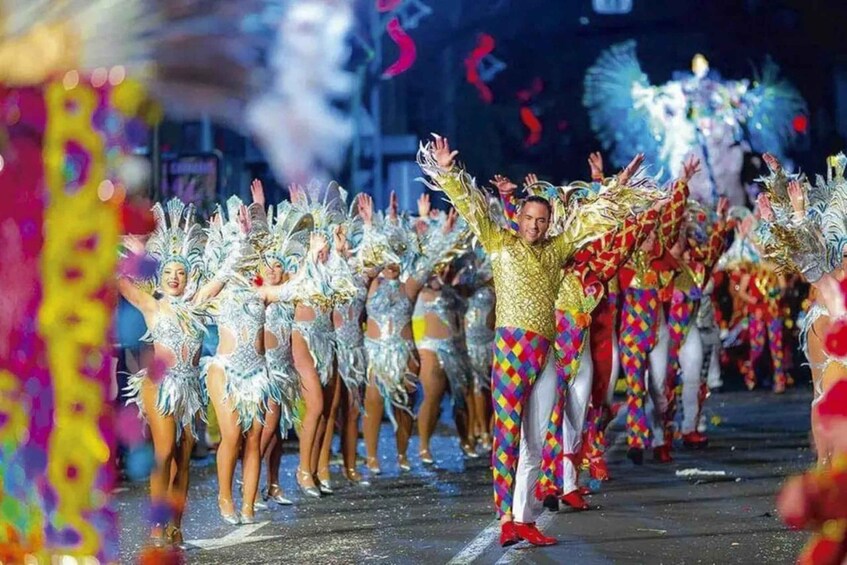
<point>508,534</point>
<point>694,440</point>
<point>574,500</point>
<point>598,470</point>
<point>585,491</point>
<point>662,454</point>
<point>530,533</point>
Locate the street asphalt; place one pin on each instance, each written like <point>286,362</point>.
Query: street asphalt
<point>710,506</point>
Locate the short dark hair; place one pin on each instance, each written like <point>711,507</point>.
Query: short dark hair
<point>539,200</point>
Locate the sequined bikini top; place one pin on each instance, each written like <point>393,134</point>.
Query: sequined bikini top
<point>390,308</point>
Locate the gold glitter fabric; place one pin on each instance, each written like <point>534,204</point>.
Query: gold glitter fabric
<point>526,276</point>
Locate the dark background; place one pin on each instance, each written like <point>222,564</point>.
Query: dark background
<point>556,41</point>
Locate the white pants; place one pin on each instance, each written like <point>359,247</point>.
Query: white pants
<point>576,407</point>
<point>536,415</point>
<point>691,362</point>
<point>657,402</point>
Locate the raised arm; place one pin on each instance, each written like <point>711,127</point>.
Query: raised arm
<point>506,189</point>
<point>437,160</point>
<point>606,255</point>
<point>671,219</point>
<point>135,296</point>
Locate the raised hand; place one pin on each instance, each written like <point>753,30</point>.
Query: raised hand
<point>365,205</point>
<point>503,185</point>
<point>627,172</point>
<point>317,245</point>
<point>296,192</point>
<point>723,207</point>
<point>441,152</point>
<point>450,222</point>
<point>530,179</point>
<point>244,219</point>
<point>424,206</point>
<point>215,220</point>
<point>797,198</point>
<point>772,162</point>
<point>595,163</point>
<point>339,238</point>
<point>135,244</point>
<point>393,205</point>
<point>257,191</point>
<point>765,209</point>
<point>690,167</point>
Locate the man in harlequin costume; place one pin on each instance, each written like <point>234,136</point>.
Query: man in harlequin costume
<point>761,290</point>
<point>581,290</point>
<point>696,252</point>
<point>526,270</point>
<point>817,501</point>
<point>645,280</point>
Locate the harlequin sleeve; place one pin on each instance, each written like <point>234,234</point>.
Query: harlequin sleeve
<point>609,253</point>
<point>670,220</point>
<point>468,200</point>
<point>716,245</point>
<point>510,210</point>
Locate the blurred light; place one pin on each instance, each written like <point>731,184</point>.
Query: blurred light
<point>800,123</point>
<point>612,6</point>
<point>70,80</point>
<point>117,75</point>
<point>106,190</point>
<point>99,77</point>
<point>2,163</point>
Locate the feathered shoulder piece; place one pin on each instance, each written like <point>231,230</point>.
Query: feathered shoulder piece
<point>178,238</point>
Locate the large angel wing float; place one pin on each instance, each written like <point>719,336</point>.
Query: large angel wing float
<point>272,69</point>
<point>618,96</point>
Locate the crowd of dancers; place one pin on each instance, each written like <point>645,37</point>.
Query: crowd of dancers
<point>525,310</point>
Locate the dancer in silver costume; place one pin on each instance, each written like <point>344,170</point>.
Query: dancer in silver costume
<point>438,324</point>
<point>479,339</point>
<point>283,250</point>
<point>236,377</point>
<point>392,359</point>
<point>170,405</point>
<point>351,361</point>
<point>317,290</point>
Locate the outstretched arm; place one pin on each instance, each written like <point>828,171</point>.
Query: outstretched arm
<point>671,219</point>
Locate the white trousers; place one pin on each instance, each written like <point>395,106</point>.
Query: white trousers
<point>691,362</point>
<point>576,408</point>
<point>657,402</point>
<point>536,415</point>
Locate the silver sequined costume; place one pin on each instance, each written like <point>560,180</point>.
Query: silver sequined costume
<point>179,392</point>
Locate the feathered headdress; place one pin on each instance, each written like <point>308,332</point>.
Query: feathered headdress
<point>178,238</point>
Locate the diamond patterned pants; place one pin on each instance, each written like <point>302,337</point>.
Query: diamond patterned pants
<point>519,357</point>
<point>637,339</point>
